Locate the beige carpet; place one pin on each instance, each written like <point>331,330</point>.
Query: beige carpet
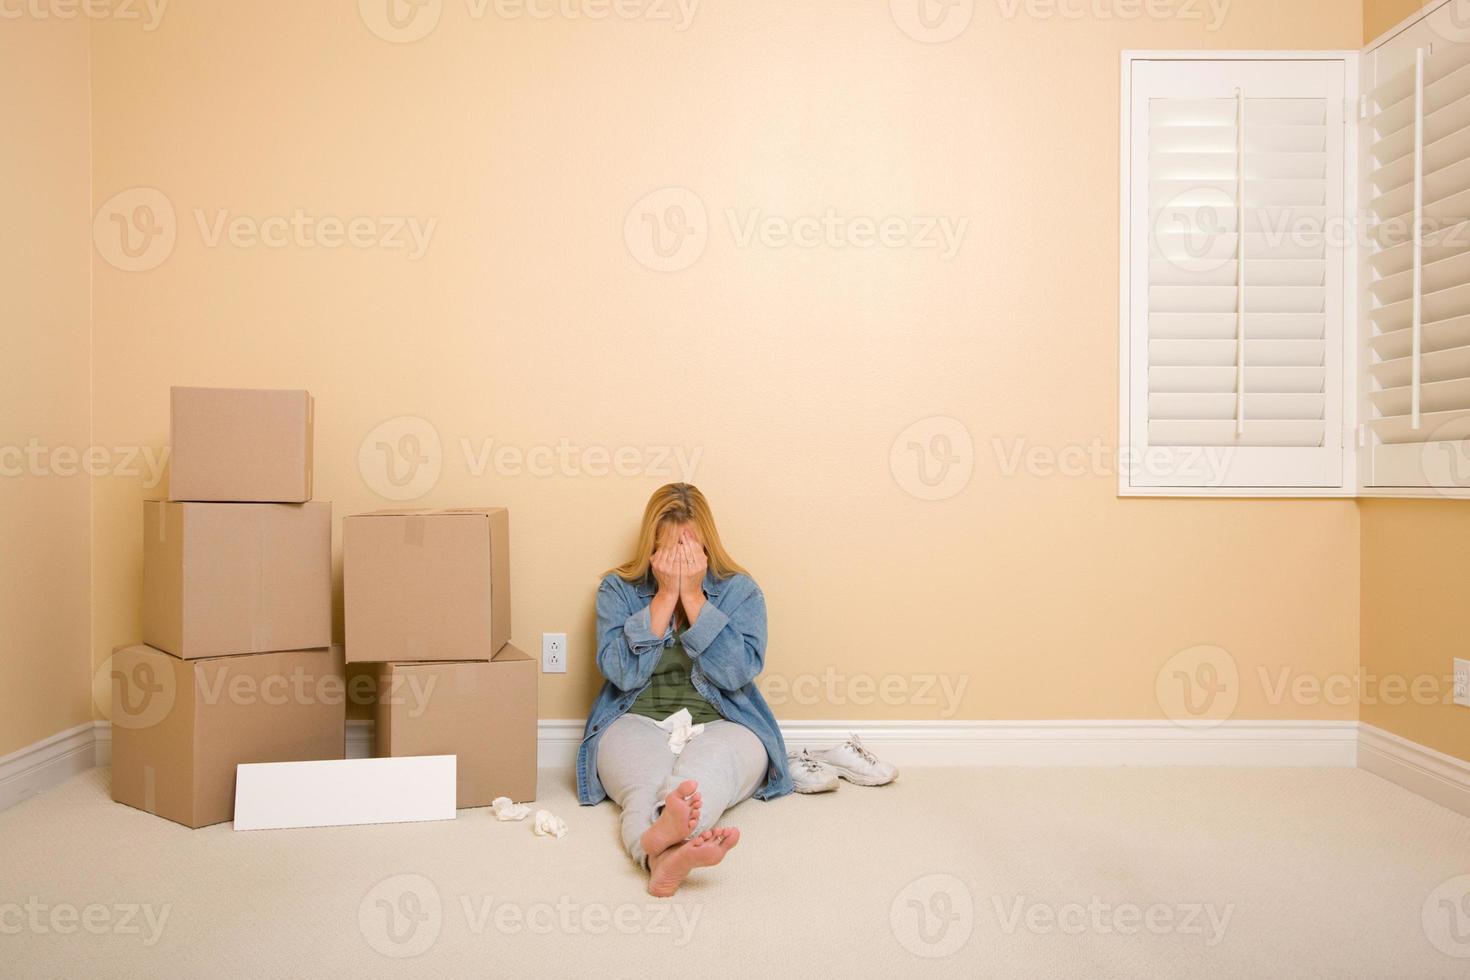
<point>996,872</point>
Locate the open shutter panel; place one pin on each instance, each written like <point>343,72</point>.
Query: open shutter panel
<point>1417,326</point>
<point>1236,310</point>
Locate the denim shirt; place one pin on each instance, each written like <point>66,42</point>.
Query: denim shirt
<point>726,645</point>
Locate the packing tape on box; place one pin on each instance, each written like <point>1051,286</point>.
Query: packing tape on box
<point>160,520</point>
<point>467,679</point>
<point>413,530</point>
<point>260,629</point>
<point>150,789</point>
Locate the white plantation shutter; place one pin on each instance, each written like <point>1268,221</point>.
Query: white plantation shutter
<point>1234,329</point>
<point>1415,375</point>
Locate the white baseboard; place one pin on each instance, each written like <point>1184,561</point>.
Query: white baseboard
<point>1434,775</point>
<point>1418,768</point>
<point>104,742</point>
<point>904,743</point>
<point>1024,743</point>
<point>53,760</point>
<point>1091,743</point>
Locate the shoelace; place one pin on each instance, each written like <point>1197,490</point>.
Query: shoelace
<point>857,746</point>
<point>806,762</point>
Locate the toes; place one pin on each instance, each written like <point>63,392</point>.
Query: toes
<point>687,788</point>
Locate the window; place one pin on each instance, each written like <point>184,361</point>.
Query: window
<point>1234,335</point>
<point>1295,282</point>
<point>1416,329</point>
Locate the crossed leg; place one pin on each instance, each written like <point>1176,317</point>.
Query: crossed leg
<point>725,764</point>
<point>670,803</point>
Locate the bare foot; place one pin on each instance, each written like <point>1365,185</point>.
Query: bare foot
<point>668,871</point>
<point>680,817</point>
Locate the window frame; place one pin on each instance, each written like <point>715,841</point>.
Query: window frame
<point>1363,475</point>
<point>1350,339</point>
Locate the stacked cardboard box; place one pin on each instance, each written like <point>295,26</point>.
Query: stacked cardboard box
<point>427,598</point>
<point>236,663</point>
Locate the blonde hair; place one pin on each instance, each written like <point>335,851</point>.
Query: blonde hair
<point>677,503</point>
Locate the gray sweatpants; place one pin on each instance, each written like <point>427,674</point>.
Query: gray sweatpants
<point>638,770</point>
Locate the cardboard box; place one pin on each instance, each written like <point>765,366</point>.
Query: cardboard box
<point>426,585</point>
<point>180,727</point>
<point>483,713</point>
<point>222,579</point>
<point>240,444</point>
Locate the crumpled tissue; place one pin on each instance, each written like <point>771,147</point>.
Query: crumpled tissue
<point>549,824</point>
<point>681,729</point>
<point>504,809</point>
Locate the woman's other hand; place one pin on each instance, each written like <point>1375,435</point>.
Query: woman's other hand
<point>693,563</point>
<point>667,564</point>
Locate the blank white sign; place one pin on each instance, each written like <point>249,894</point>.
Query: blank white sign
<point>339,792</point>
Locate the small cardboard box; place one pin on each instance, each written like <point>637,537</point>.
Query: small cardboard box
<point>422,585</point>
<point>484,713</point>
<point>221,579</point>
<point>180,727</point>
<point>245,444</point>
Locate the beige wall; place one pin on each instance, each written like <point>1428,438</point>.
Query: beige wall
<point>529,322</point>
<point>44,380</point>
<point>792,370</point>
<point>1380,15</point>
<point>1415,584</point>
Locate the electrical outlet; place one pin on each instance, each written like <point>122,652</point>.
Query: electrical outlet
<point>553,653</point>
<point>1462,682</point>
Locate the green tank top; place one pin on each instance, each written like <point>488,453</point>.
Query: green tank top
<point>671,688</point>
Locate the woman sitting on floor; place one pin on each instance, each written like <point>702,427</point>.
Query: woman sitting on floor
<point>680,627</point>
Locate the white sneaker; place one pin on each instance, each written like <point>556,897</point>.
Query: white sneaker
<point>856,764</point>
<point>810,776</point>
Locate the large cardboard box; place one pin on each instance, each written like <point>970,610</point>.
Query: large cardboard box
<point>242,444</point>
<point>221,579</point>
<point>423,585</point>
<point>180,727</point>
<point>483,713</point>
